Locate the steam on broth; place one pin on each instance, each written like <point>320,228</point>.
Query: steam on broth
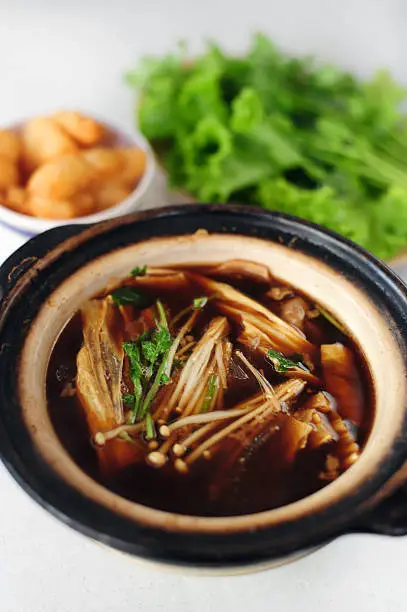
<point>211,390</point>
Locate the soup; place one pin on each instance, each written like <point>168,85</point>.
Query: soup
<point>210,390</point>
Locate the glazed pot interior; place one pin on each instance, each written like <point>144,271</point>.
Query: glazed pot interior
<point>368,326</point>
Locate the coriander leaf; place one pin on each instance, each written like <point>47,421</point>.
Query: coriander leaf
<point>132,351</point>
<point>125,436</point>
<point>150,351</point>
<point>154,387</point>
<point>161,336</point>
<point>210,393</point>
<point>199,302</point>
<point>378,105</point>
<point>160,341</point>
<point>282,363</point>
<point>332,320</point>
<point>129,295</point>
<point>161,314</point>
<point>389,223</point>
<point>201,95</point>
<point>165,379</point>
<point>150,429</point>
<point>321,205</point>
<point>147,359</point>
<point>160,81</point>
<point>139,271</point>
<point>128,399</point>
<point>274,132</point>
<point>286,133</point>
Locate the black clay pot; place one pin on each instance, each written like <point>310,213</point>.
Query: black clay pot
<point>45,281</point>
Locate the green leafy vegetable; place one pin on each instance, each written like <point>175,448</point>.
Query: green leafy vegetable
<point>210,393</point>
<point>128,399</point>
<point>283,133</point>
<point>139,271</point>
<point>150,429</point>
<point>332,320</point>
<point>129,295</point>
<point>158,344</point>
<point>126,437</point>
<point>199,302</point>
<point>147,359</point>
<point>161,314</point>
<point>154,387</point>
<point>136,374</point>
<point>282,363</point>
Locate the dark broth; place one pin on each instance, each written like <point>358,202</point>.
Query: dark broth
<point>258,483</point>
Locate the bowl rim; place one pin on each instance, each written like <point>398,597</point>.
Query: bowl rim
<point>31,225</point>
<point>286,222</point>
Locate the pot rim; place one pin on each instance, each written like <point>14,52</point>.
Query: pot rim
<point>398,454</point>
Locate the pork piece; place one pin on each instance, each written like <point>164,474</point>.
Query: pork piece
<point>279,293</point>
<point>294,312</point>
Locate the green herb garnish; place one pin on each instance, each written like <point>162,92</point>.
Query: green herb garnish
<point>332,320</point>
<point>125,436</point>
<point>285,133</point>
<point>150,428</point>
<point>154,387</point>
<point>159,342</point>
<point>128,400</point>
<point>282,363</point>
<point>212,386</point>
<point>139,271</point>
<point>129,295</point>
<point>132,351</point>
<point>199,302</point>
<point>162,317</point>
<point>147,359</point>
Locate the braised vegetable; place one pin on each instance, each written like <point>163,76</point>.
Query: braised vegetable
<point>100,395</point>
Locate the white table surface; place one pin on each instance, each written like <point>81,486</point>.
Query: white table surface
<point>72,54</point>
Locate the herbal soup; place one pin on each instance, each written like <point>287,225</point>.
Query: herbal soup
<point>209,390</point>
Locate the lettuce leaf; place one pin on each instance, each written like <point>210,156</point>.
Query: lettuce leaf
<point>281,132</point>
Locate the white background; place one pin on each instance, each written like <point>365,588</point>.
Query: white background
<point>72,54</point>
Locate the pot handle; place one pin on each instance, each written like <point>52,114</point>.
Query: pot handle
<point>389,517</point>
<point>30,253</point>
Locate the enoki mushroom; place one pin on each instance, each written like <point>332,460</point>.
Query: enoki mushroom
<point>246,415</point>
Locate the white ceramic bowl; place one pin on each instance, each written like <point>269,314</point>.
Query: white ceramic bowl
<point>140,198</point>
